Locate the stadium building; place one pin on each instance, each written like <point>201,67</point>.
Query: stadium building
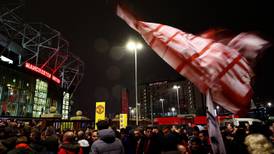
<point>37,69</point>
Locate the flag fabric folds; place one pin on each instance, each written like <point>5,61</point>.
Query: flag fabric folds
<point>210,65</point>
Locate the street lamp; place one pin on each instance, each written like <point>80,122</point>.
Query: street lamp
<point>269,104</point>
<point>178,100</point>
<point>173,110</point>
<point>134,46</point>
<point>131,113</point>
<point>162,101</point>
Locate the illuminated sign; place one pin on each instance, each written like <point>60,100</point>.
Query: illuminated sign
<point>55,79</point>
<point>5,59</point>
<point>42,72</point>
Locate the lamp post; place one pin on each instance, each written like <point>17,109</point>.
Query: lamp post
<point>134,46</point>
<point>162,101</point>
<point>178,99</point>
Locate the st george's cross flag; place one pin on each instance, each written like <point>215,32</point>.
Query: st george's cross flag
<point>210,65</point>
<point>248,44</point>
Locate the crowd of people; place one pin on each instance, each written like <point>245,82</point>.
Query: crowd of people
<point>19,138</point>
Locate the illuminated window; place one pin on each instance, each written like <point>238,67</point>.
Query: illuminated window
<point>65,106</point>
<point>40,98</point>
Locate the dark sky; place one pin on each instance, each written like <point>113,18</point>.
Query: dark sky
<point>98,37</point>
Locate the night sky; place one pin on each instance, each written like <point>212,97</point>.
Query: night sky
<point>98,37</point>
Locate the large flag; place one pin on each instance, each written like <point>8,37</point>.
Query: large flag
<point>208,64</point>
<point>215,136</point>
<point>249,44</point>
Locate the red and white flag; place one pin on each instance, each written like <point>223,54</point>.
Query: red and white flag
<point>208,64</point>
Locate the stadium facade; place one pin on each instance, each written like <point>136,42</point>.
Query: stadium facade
<point>37,69</point>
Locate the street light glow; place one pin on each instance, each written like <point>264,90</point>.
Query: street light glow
<point>176,87</point>
<point>173,109</point>
<point>131,45</point>
<point>269,104</point>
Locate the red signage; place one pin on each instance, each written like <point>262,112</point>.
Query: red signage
<point>124,105</point>
<point>54,78</point>
<point>42,72</point>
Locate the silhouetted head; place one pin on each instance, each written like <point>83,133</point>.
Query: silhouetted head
<point>68,137</point>
<point>102,124</point>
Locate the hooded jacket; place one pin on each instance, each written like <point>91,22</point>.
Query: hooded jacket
<point>107,143</point>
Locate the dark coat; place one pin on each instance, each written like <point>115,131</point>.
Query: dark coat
<point>51,144</point>
<point>107,143</point>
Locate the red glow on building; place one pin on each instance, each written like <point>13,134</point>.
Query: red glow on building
<point>54,78</point>
<point>42,72</point>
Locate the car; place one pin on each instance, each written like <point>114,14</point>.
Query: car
<point>241,121</point>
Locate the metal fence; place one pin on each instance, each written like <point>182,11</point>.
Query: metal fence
<point>58,123</point>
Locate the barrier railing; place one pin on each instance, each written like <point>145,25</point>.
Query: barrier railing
<point>58,123</point>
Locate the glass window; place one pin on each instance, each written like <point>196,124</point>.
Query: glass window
<point>40,98</point>
<point>65,107</point>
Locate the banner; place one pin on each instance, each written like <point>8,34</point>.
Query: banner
<point>124,105</point>
<point>123,121</point>
<point>100,112</point>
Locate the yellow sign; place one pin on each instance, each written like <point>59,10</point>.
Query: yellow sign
<point>100,112</point>
<point>123,121</point>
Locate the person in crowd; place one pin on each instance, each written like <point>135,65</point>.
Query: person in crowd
<point>94,136</point>
<point>189,129</point>
<point>258,144</point>
<point>237,145</point>
<point>22,146</point>
<point>35,141</point>
<point>169,141</point>
<point>183,145</point>
<point>88,137</point>
<point>50,140</point>
<point>107,142</point>
<point>128,140</point>
<point>155,130</point>
<point>84,144</point>
<point>8,138</point>
<point>152,143</point>
<point>139,140</point>
<point>69,146</point>
<point>203,135</point>
<point>196,146</point>
<point>183,149</point>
